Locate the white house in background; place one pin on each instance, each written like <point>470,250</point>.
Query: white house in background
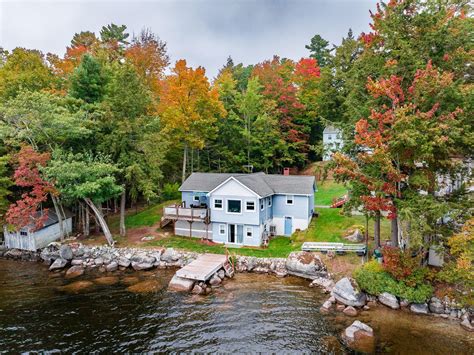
<point>332,141</point>
<point>242,209</point>
<point>27,238</point>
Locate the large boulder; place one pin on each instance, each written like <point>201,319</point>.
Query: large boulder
<point>65,252</point>
<point>436,306</point>
<point>360,337</point>
<point>141,266</point>
<point>420,308</point>
<point>180,284</point>
<point>58,264</point>
<point>142,259</point>
<point>170,255</point>
<point>355,236</point>
<point>345,291</point>
<point>74,271</point>
<point>123,261</point>
<point>389,300</point>
<point>306,264</point>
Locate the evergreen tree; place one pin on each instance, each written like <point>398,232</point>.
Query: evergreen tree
<point>319,50</point>
<point>88,80</point>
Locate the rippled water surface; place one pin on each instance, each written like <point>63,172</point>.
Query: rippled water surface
<point>248,314</point>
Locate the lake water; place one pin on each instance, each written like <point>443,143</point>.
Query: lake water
<point>248,314</point>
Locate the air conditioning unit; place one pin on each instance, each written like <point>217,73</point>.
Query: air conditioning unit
<point>273,230</point>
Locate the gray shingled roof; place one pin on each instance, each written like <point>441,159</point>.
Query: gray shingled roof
<point>331,130</point>
<point>52,218</point>
<point>260,183</point>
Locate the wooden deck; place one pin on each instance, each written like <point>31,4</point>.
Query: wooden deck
<point>203,267</point>
<point>339,248</point>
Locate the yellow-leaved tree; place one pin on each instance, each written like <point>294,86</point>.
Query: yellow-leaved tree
<point>189,107</point>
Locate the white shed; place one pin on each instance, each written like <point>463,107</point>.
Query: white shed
<point>29,239</point>
<point>332,141</point>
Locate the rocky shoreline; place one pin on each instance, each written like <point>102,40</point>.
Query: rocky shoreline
<point>345,295</point>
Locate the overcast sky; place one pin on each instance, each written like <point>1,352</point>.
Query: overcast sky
<point>204,32</point>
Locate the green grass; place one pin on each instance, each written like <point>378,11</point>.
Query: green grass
<point>327,191</point>
<point>279,247</point>
<point>331,225</point>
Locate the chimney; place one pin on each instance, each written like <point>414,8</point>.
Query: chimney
<point>286,171</point>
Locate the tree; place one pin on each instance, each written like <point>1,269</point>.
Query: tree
<point>84,39</point>
<point>319,50</point>
<point>85,177</point>
<point>5,184</point>
<point>88,80</point>
<point>189,107</point>
<point>24,70</point>
<point>28,177</point>
<point>114,35</point>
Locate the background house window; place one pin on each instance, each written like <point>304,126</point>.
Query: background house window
<point>234,206</point>
<point>218,204</point>
<point>269,202</point>
<point>196,198</point>
<point>221,229</point>
<point>329,137</point>
<point>23,233</point>
<point>249,232</point>
<point>250,206</point>
<point>289,199</point>
<point>261,204</point>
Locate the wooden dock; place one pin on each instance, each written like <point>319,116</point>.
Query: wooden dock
<point>203,267</point>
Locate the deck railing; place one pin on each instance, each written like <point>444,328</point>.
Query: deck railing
<point>177,212</point>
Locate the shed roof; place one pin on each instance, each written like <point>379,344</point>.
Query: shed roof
<point>52,218</point>
<point>260,183</point>
<point>331,130</point>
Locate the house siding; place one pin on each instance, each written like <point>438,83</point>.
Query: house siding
<point>299,212</point>
<point>188,197</point>
<point>255,240</point>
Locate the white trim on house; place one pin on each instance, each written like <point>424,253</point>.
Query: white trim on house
<point>246,206</point>
<point>214,204</point>
<point>232,178</point>
<point>222,228</point>
<point>247,230</point>
<point>227,205</point>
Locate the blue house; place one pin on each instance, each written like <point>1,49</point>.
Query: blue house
<point>242,209</point>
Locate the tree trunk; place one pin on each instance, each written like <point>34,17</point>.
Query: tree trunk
<point>367,237</point>
<point>101,220</point>
<point>59,215</point>
<point>394,232</point>
<point>185,155</point>
<point>87,229</point>
<point>123,199</point>
<point>377,229</point>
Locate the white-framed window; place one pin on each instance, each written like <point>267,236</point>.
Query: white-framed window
<point>218,204</point>
<point>269,202</point>
<point>249,206</point>
<point>262,204</point>
<point>221,229</point>
<point>329,137</point>
<point>234,206</point>
<point>24,233</point>
<point>289,199</point>
<point>249,232</point>
<point>196,198</point>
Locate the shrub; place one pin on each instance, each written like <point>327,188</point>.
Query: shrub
<point>372,278</point>
<point>171,192</point>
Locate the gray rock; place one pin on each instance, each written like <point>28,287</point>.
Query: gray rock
<point>198,290</point>
<point>58,264</point>
<point>389,300</point>
<point>65,252</point>
<point>112,266</point>
<point>215,280</point>
<point>345,292</point>
<point>180,284</point>
<point>420,308</point>
<point>356,335</point>
<point>143,259</point>
<point>123,261</point>
<point>436,307</point>
<point>76,262</point>
<point>74,271</point>
<point>170,255</point>
<point>404,303</point>
<point>141,266</point>
<point>356,237</point>
<point>465,324</point>
<point>221,274</point>
<point>326,307</point>
<point>326,284</point>
<point>350,311</point>
<point>306,264</point>
<point>358,326</point>
<point>99,261</point>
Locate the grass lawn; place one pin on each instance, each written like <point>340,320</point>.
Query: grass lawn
<point>330,226</point>
<point>279,247</point>
<point>327,190</point>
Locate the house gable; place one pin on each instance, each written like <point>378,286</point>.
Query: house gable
<point>233,187</point>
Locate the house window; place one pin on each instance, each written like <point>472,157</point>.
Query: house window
<point>218,204</point>
<point>289,199</point>
<point>24,233</point>
<point>249,232</point>
<point>234,206</point>
<point>196,198</point>
<point>269,202</point>
<point>329,137</point>
<point>221,229</point>
<point>250,206</point>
